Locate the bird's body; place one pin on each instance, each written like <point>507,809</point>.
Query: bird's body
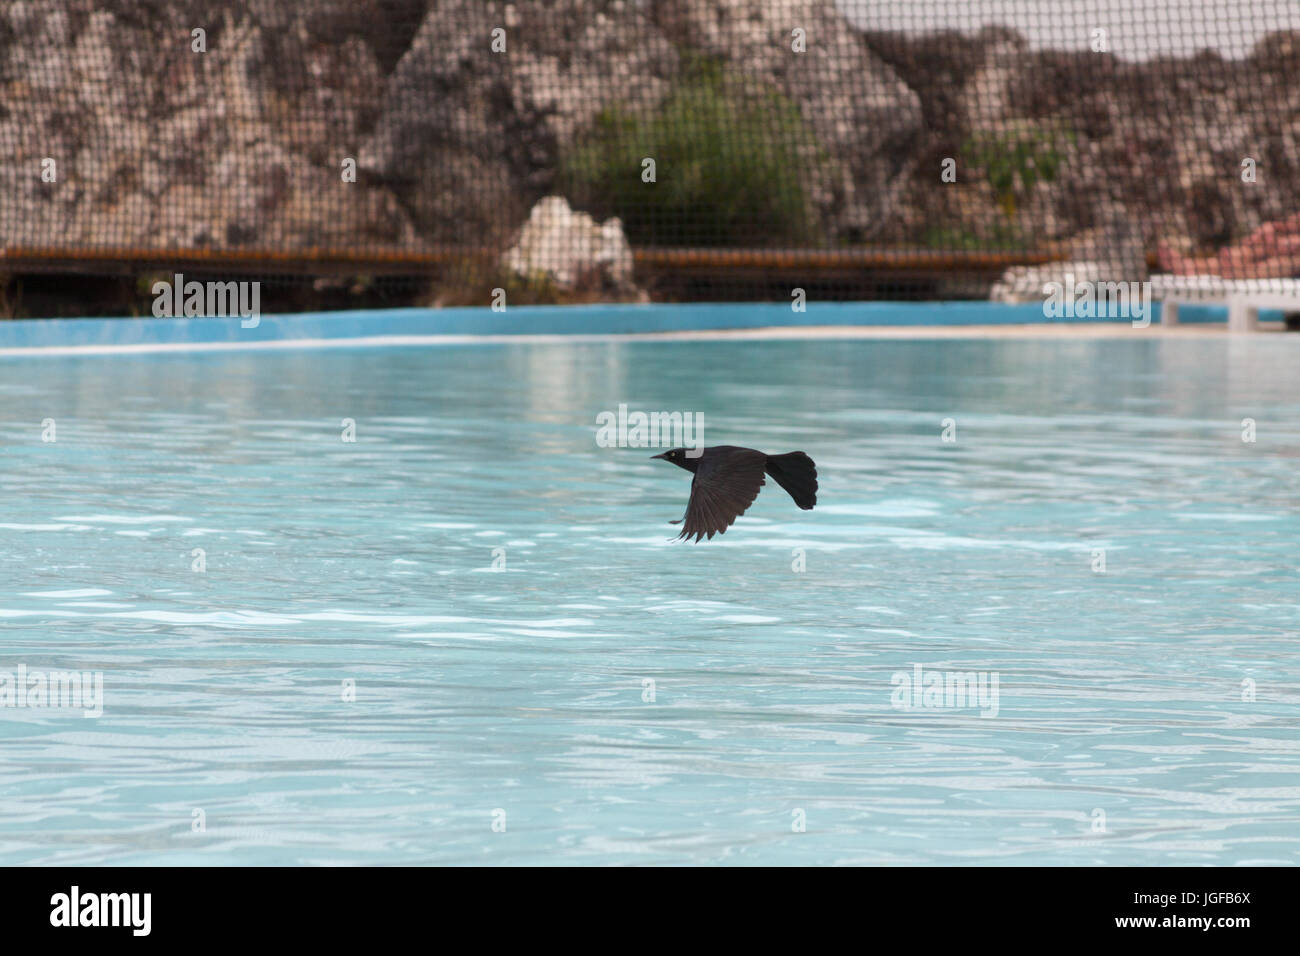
<point>727,480</point>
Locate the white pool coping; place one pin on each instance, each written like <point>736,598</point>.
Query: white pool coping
<point>1079,331</point>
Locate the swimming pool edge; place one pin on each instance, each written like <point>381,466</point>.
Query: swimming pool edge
<point>576,323</point>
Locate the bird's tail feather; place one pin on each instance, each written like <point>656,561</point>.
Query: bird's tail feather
<point>796,473</point>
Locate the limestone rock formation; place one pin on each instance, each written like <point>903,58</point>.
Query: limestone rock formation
<point>152,144</point>
<point>567,246</point>
<point>470,137</point>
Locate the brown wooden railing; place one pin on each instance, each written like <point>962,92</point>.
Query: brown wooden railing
<point>397,262</point>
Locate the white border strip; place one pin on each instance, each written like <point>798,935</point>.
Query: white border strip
<point>1108,330</point>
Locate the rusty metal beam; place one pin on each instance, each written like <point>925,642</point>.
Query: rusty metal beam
<point>396,262</point>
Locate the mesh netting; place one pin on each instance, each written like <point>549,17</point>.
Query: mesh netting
<point>407,151</point>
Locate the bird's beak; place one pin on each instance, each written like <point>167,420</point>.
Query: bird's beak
<point>658,456</point>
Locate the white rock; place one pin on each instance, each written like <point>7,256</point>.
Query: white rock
<point>1025,283</point>
<point>565,244</point>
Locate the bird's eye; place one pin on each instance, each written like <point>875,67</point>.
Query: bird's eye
<point>672,454</point>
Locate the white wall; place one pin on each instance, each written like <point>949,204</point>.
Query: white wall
<point>1136,29</point>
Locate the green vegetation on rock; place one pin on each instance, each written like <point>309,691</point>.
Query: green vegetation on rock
<point>1016,157</point>
<point>731,161</point>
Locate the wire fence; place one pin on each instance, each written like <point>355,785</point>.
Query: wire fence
<point>442,152</point>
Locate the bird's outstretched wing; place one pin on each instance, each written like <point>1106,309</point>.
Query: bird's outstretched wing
<point>721,492</point>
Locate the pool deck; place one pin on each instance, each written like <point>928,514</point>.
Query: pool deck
<point>537,324</point>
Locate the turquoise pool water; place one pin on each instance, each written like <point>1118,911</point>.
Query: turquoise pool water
<point>1124,730</point>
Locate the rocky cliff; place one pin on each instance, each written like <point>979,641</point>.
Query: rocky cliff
<point>117,130</point>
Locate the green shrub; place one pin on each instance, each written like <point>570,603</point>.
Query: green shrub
<point>731,159</point>
<point>1014,159</point>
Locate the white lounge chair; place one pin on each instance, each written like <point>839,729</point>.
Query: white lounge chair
<point>1243,297</point>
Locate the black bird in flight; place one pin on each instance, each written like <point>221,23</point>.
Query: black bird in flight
<point>727,479</point>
